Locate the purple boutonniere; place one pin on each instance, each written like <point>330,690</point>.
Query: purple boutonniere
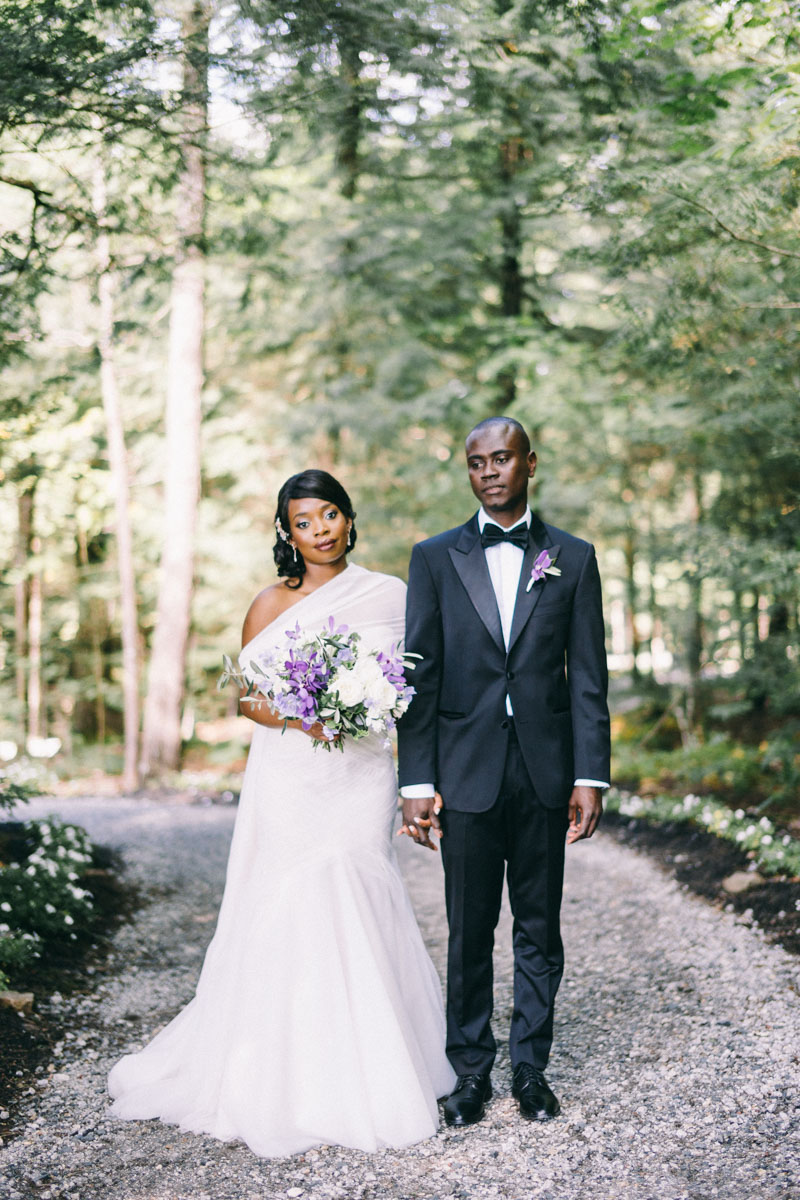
<point>544,565</point>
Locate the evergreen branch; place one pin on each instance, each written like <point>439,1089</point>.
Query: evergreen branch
<point>40,196</point>
<point>786,304</point>
<point>737,237</point>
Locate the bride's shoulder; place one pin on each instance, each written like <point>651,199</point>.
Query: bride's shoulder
<point>389,583</point>
<point>268,604</point>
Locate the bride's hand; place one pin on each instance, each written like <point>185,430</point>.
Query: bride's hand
<point>318,731</point>
<point>420,818</point>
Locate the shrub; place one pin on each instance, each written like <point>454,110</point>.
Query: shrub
<point>13,792</point>
<point>781,765</point>
<point>774,852</point>
<point>41,901</point>
<point>767,774</point>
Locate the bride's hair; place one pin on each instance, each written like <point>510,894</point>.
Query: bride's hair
<point>315,485</point>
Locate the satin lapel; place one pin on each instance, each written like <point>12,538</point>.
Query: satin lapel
<point>527,600</point>
<point>469,561</point>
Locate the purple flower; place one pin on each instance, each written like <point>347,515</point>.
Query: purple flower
<point>393,668</point>
<point>296,678</point>
<point>543,561</point>
<point>306,672</point>
<point>543,565</point>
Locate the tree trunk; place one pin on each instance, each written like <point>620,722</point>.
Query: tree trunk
<point>161,741</point>
<point>22,588</point>
<point>511,284</point>
<point>512,153</point>
<point>652,599</point>
<point>739,613</point>
<point>326,444</point>
<point>348,158</point>
<point>92,627</point>
<point>35,727</point>
<point>694,645</point>
<point>631,602</point>
<point>118,462</point>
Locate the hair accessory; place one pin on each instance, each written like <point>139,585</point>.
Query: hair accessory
<point>282,534</point>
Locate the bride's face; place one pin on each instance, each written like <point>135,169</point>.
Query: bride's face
<point>319,530</point>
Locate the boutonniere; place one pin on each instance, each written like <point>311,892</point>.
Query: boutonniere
<point>544,565</point>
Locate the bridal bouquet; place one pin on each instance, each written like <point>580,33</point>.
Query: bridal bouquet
<point>328,677</point>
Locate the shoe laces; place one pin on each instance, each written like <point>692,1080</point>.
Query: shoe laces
<point>525,1073</point>
<point>468,1080</point>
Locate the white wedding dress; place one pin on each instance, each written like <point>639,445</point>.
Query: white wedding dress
<point>318,1014</point>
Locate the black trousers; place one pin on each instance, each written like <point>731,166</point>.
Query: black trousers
<point>519,832</point>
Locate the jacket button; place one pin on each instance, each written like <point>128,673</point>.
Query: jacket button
<point>509,674</point>
<point>504,724</point>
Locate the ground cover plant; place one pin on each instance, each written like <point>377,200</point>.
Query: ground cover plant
<point>60,899</point>
<point>764,776</point>
<point>41,899</point>
<point>772,851</point>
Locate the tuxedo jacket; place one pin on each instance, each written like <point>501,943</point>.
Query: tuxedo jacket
<point>455,732</point>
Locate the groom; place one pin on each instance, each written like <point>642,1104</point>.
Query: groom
<point>509,732</point>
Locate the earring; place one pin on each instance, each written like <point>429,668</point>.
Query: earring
<point>350,538</point>
<point>284,536</point>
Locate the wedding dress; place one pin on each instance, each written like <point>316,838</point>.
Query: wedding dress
<point>318,1014</point>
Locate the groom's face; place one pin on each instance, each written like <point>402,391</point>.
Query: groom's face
<point>499,468</point>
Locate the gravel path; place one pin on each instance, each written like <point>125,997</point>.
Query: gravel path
<point>676,1055</point>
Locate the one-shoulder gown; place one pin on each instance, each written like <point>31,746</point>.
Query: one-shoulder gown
<point>318,1014</point>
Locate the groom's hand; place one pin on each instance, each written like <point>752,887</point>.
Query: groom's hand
<point>585,810</point>
<point>420,816</point>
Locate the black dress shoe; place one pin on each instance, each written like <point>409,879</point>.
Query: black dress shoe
<point>536,1100</point>
<point>466,1104</point>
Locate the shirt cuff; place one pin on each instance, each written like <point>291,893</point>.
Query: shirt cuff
<point>418,791</point>
<point>591,783</point>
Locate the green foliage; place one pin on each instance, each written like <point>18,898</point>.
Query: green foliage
<point>41,901</point>
<point>775,853</point>
<point>55,56</point>
<point>781,765</point>
<point>68,69</point>
<point>582,214</point>
<point>769,680</point>
<point>651,723</point>
<point>22,780</point>
<point>13,792</point>
<point>764,775</point>
<point>16,951</point>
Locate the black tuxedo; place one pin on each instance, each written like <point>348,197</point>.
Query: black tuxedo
<point>505,783</point>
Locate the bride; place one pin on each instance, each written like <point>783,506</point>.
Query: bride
<point>318,1014</point>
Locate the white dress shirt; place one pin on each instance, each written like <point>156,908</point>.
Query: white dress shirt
<point>504,561</point>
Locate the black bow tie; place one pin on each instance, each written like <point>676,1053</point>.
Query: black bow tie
<point>493,535</point>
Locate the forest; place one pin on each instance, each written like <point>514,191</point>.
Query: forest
<point>240,239</point>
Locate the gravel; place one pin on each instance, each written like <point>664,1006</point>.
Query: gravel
<point>676,1053</point>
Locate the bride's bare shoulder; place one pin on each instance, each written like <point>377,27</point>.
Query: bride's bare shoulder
<point>267,605</point>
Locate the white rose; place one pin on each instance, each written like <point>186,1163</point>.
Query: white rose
<point>368,671</point>
<point>348,686</point>
<point>383,695</point>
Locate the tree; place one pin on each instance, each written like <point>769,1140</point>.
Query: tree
<point>161,737</point>
<point>417,214</point>
<point>118,463</point>
<point>59,74</point>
